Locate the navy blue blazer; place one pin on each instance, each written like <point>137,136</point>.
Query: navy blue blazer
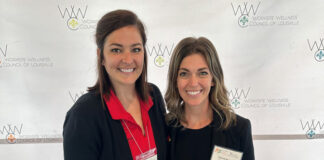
<point>238,137</point>
<point>91,134</point>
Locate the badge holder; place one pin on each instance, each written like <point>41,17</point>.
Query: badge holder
<point>221,153</point>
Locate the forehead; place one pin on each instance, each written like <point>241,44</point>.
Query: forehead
<point>126,35</point>
<point>194,60</point>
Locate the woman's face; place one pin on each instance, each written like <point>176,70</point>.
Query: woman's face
<point>124,56</point>
<point>194,80</point>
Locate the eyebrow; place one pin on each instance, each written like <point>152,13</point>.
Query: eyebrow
<point>119,45</point>
<point>136,44</point>
<point>200,69</point>
<point>184,69</point>
<point>116,44</point>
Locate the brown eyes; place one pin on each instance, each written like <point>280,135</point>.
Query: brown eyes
<point>118,50</point>
<point>115,50</point>
<point>135,50</point>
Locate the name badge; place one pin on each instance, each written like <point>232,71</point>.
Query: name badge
<point>149,155</point>
<point>220,153</point>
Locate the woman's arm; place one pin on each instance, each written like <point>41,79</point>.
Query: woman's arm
<point>81,133</point>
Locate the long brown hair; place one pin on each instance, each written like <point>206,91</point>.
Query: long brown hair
<point>218,97</point>
<point>107,24</point>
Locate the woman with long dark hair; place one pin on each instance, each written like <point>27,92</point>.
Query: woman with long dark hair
<point>122,115</point>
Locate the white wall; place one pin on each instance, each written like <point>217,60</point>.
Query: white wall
<point>271,51</point>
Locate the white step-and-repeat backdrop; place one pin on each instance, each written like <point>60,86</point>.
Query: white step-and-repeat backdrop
<point>272,54</point>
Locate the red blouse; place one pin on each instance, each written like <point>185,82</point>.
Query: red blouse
<point>138,143</point>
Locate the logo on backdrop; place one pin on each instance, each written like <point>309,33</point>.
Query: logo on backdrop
<point>317,47</point>
<point>11,132</point>
<point>245,10</point>
<point>237,95</point>
<point>3,51</point>
<point>75,96</point>
<point>241,98</point>
<point>312,128</point>
<point>75,17</point>
<point>247,13</point>
<point>161,53</point>
<point>7,61</point>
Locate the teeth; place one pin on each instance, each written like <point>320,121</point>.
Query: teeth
<point>193,92</point>
<point>127,70</point>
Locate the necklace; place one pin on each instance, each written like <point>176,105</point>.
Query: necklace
<point>148,139</point>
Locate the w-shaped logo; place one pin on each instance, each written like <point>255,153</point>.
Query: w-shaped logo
<point>160,52</point>
<point>311,126</point>
<point>74,15</point>
<point>3,52</point>
<point>245,10</point>
<point>237,95</point>
<point>11,131</point>
<point>319,49</point>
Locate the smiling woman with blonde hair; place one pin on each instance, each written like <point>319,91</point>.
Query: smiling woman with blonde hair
<point>200,115</point>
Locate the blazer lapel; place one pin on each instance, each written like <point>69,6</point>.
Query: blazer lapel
<point>172,133</point>
<point>119,141</point>
<point>218,138</point>
<point>157,135</point>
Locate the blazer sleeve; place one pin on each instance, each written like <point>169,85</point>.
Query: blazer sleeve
<point>246,141</point>
<point>81,133</point>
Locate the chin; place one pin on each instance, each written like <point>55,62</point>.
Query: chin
<point>193,103</point>
<point>129,83</point>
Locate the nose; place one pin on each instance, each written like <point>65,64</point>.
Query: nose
<point>127,58</point>
<point>193,80</point>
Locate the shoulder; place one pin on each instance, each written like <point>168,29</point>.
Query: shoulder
<point>157,98</point>
<point>242,126</point>
<point>90,97</point>
<point>242,122</point>
<point>86,114</point>
<point>153,88</point>
<point>155,93</point>
<point>87,105</point>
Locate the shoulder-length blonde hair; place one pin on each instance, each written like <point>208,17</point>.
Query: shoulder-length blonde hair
<point>218,98</point>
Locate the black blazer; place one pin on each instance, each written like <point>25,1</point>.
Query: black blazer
<point>236,137</point>
<point>91,134</point>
